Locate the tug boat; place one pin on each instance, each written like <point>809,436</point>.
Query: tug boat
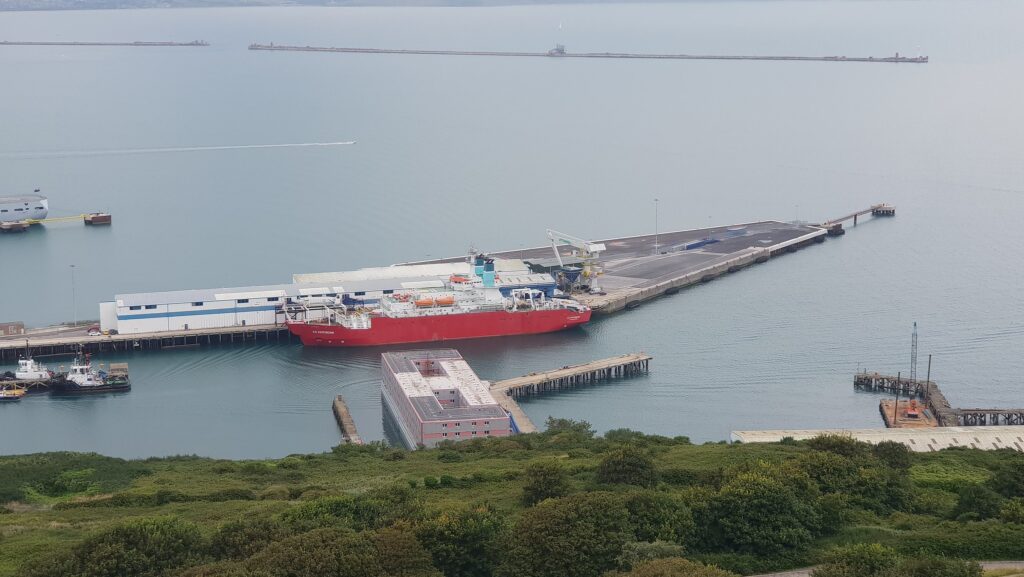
<point>11,395</point>
<point>30,370</point>
<point>83,379</point>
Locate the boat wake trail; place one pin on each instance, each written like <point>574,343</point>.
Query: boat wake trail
<point>69,153</point>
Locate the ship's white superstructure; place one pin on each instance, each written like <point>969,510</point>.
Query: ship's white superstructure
<point>30,370</point>
<point>28,206</point>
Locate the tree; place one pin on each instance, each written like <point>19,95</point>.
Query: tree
<point>636,552</point>
<point>977,502</point>
<point>758,513</point>
<point>243,538</point>
<point>325,552</point>
<point>1009,478</point>
<point>545,479</point>
<point>575,536</point>
<point>142,548</point>
<point>1013,511</point>
<point>674,567</point>
<point>840,445</point>
<point>892,454</point>
<point>860,560</point>
<point>627,465</point>
<point>932,566</point>
<point>464,543</point>
<point>401,555</point>
<point>659,516</point>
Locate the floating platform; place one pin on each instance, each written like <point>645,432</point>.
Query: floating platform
<point>902,416</point>
<point>920,441</point>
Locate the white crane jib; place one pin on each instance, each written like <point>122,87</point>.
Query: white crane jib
<point>587,251</point>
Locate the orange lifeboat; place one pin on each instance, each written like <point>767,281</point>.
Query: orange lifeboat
<point>445,301</point>
<point>458,278</point>
<point>424,302</point>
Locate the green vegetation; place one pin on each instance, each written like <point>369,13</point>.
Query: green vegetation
<point>563,503</point>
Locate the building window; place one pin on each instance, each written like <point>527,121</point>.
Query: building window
<point>444,434</point>
<point>18,209</point>
<point>445,425</point>
<point>473,423</point>
<point>135,308</point>
<point>456,424</point>
<point>487,432</point>
<point>388,291</point>
<point>474,433</point>
<point>487,422</point>
<point>272,299</point>
<point>150,307</point>
<point>458,434</point>
<point>360,293</point>
<point>243,301</point>
<point>197,304</point>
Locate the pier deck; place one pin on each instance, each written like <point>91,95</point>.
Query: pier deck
<point>635,272</point>
<point>573,376</point>
<point>345,421</point>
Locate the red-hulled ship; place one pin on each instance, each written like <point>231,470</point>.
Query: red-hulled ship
<point>462,311</point>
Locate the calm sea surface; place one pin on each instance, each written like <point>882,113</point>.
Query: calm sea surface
<point>460,151</point>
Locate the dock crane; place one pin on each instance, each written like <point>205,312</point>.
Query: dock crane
<point>585,250</point>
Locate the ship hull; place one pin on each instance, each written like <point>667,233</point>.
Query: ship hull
<point>70,388</point>
<point>390,331</point>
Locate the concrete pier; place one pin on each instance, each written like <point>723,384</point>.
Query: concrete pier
<point>345,421</point>
<point>573,376</point>
<point>135,44</point>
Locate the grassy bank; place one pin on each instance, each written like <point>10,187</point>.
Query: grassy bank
<point>746,508</point>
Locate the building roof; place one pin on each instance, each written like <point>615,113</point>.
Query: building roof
<point>919,440</point>
<point>404,271</point>
<point>475,400</point>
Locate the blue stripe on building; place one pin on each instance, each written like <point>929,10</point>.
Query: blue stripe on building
<point>169,314</point>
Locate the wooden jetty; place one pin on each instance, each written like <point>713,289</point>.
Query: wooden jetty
<point>573,376</point>
<point>43,344</point>
<point>559,52</point>
<point>345,421</point>
<point>835,226</point>
<point>138,44</point>
<point>935,402</point>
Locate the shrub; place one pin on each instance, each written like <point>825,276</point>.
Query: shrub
<point>657,516</point>
<point>859,560</point>
<point>892,454</point>
<point>275,493</point>
<point>1009,478</point>
<point>758,513</point>
<point>464,543</point>
<point>401,554</point>
<point>449,456</point>
<point>977,502</point>
<point>544,479</point>
<point>983,540</point>
<point>674,567</point>
<point>327,551</point>
<point>430,482</point>
<point>1013,511</point>
<point>576,536</point>
<point>244,538</point>
<point>637,552</point>
<point>933,566</point>
<point>840,445</point>
<point>627,465</point>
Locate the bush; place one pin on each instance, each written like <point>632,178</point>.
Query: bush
<point>859,560</point>
<point>932,566</point>
<point>758,513</point>
<point>892,454</point>
<point>241,539</point>
<point>657,516</point>
<point>977,502</point>
<point>430,482</point>
<point>1013,511</point>
<point>544,480</point>
<point>449,456</point>
<point>144,548</point>
<point>1009,478</point>
<point>627,465</point>
<point>637,552</point>
<point>401,555</point>
<point>275,493</point>
<point>983,540</point>
<point>464,543</point>
<point>674,567</point>
<point>840,445</point>
<point>576,536</point>
<point>321,552</point>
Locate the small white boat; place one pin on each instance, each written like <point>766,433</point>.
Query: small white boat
<point>30,370</point>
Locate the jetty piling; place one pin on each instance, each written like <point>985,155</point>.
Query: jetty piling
<point>573,376</point>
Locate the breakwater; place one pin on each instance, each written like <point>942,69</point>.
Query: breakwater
<point>559,52</point>
<point>139,44</point>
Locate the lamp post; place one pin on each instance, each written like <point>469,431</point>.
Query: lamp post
<point>655,226</point>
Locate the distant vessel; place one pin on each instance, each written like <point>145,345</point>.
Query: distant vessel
<point>468,307</point>
<point>83,379</point>
<point>29,206</point>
